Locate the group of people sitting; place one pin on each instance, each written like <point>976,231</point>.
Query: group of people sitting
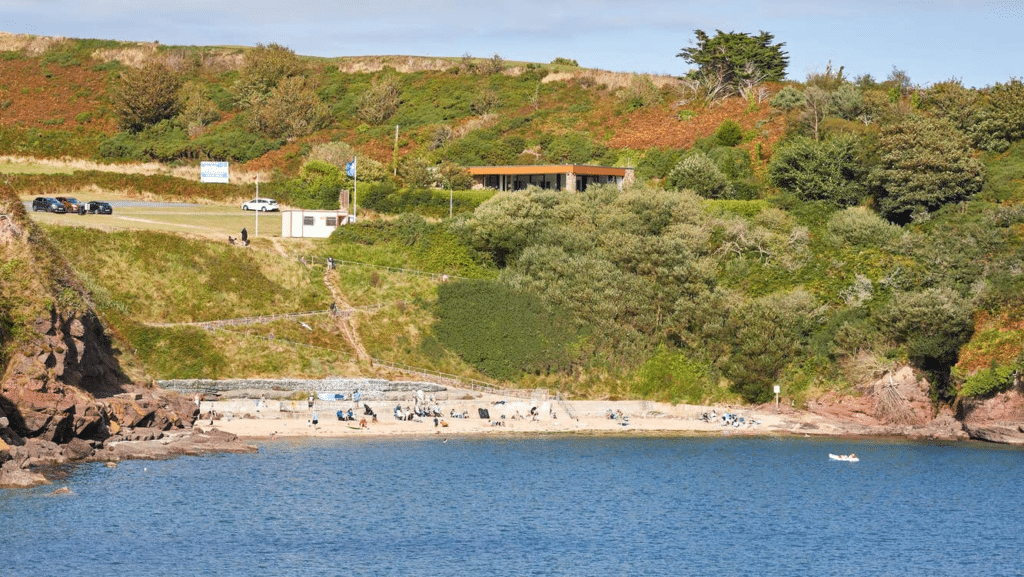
<point>416,412</point>
<point>349,415</point>
<point>728,419</point>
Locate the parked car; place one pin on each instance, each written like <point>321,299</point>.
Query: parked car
<point>261,204</point>
<point>99,207</point>
<point>72,204</point>
<point>47,204</point>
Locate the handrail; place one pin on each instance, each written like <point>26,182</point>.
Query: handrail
<point>269,318</point>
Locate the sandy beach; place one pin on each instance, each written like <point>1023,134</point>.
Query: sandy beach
<point>262,418</point>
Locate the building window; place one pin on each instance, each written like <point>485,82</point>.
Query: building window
<point>332,221</point>
<point>307,221</point>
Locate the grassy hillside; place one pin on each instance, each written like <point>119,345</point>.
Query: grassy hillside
<point>811,234</point>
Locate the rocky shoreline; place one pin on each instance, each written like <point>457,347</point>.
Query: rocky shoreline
<point>154,423</point>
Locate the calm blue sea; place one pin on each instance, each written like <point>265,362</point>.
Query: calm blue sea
<point>532,506</point>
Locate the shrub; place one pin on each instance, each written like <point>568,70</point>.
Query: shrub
<point>858,226</point>
<point>145,96</point>
<point>763,337</point>
<point>503,333</point>
<point>380,101</point>
<point>265,66</point>
<point>988,382</point>
<point>673,377</point>
<point>657,163</point>
<point>729,133</point>
<point>829,170</point>
<point>932,324</point>
<point>292,109</point>
<point>698,173</point>
<point>233,144</point>
<point>925,163</point>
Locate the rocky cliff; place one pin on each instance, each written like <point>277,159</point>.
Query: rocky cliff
<point>63,393</point>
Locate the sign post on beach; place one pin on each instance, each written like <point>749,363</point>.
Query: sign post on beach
<point>778,389</point>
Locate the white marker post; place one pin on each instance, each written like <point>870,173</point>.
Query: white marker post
<point>778,389</point>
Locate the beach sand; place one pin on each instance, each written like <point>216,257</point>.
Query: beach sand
<point>260,418</point>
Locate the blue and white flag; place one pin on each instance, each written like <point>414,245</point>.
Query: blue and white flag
<point>350,168</point>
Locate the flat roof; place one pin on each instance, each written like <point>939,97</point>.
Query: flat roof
<point>548,169</point>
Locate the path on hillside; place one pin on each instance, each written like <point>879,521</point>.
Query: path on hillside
<point>348,323</point>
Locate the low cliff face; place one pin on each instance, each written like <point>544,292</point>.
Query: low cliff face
<point>999,418</point>
<point>899,404</point>
<point>63,392</point>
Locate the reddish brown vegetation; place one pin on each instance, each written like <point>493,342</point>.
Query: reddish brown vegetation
<point>38,95</point>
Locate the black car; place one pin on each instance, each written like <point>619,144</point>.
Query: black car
<point>99,207</point>
<point>47,204</point>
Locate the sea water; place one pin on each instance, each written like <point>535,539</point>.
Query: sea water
<point>533,505</point>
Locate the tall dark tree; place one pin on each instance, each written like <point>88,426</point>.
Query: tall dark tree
<point>736,58</point>
<point>925,163</point>
<point>145,96</point>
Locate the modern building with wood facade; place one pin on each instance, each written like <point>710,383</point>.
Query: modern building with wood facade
<point>553,177</point>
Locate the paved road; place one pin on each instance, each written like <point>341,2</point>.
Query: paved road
<point>134,204</point>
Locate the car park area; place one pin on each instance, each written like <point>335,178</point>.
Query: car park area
<point>128,213</point>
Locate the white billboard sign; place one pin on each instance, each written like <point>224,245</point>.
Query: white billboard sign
<point>213,172</point>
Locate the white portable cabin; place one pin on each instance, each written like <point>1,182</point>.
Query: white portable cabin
<point>311,223</point>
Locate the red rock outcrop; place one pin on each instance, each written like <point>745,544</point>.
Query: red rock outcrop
<point>999,418</point>
<point>896,404</point>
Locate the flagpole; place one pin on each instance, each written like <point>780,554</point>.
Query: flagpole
<point>355,187</point>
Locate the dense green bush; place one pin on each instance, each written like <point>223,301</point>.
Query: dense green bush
<point>858,226</point>
<point>697,172</point>
<point>988,381</point>
<point>504,333</point>
<point>924,164</point>
<point>932,324</point>
<point>763,336</point>
<point>657,163</point>
<point>671,376</point>
<point>166,142</point>
<point>146,95</point>
<point>831,170</point>
<point>415,244</point>
<point>385,198</point>
<point>729,133</point>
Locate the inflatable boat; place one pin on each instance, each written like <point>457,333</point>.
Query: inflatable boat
<point>850,458</point>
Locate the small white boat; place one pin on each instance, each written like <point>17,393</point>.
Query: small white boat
<point>850,458</point>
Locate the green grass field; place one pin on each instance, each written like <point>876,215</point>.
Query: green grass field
<point>205,220</point>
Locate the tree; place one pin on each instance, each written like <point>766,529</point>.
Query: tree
<point>933,324</point>
<point>925,163</point>
<point>735,58</point>
<point>831,170</point>
<point>145,96</point>
<point>196,108</point>
<point>454,177</point>
<point>380,101</point>
<point>318,186</point>
<point>265,66</point>
<point>292,109</point>
<point>763,336</point>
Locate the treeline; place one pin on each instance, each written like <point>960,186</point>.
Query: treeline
<point>803,294</point>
